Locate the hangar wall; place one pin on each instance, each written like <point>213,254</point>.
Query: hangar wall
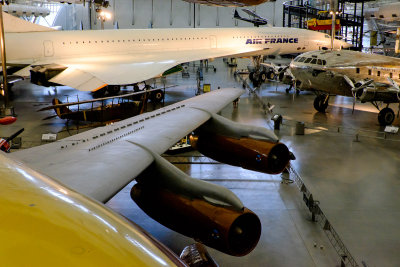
<point>141,14</point>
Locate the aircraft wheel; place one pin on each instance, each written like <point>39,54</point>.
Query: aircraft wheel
<point>281,76</point>
<point>157,96</point>
<point>99,93</point>
<point>386,116</point>
<point>319,104</point>
<point>251,76</point>
<point>263,76</point>
<point>113,89</point>
<point>270,75</point>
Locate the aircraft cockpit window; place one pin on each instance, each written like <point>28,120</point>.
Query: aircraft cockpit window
<point>319,62</point>
<point>314,61</point>
<point>308,60</point>
<point>302,59</point>
<point>323,62</point>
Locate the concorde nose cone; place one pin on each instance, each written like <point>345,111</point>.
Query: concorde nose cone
<point>339,44</point>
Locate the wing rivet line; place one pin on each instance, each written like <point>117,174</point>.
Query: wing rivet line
<point>123,127</point>
<point>116,138</point>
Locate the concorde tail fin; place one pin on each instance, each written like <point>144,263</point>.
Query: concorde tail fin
<point>14,24</point>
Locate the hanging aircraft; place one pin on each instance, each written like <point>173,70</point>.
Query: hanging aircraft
<point>231,3</point>
<point>365,77</point>
<point>237,3</point>
<point>255,19</point>
<point>51,194</point>
<point>92,60</point>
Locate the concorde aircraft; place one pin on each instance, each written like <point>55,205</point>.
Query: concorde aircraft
<point>50,194</point>
<point>365,77</point>
<point>236,3</point>
<point>90,60</point>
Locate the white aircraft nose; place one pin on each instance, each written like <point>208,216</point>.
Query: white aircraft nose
<point>343,44</point>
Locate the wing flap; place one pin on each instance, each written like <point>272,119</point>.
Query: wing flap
<point>78,79</point>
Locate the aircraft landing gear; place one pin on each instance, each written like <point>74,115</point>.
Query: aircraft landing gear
<point>157,96</point>
<point>113,89</point>
<point>257,78</point>
<point>386,116</point>
<point>321,103</point>
<point>270,75</point>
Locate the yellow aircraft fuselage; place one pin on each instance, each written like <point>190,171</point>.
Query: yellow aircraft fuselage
<point>44,223</point>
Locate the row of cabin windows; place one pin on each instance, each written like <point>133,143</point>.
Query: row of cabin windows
<point>311,60</point>
<point>265,36</point>
<point>139,40</point>
<point>378,73</point>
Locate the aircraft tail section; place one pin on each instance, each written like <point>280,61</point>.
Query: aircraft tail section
<point>13,25</point>
<point>61,110</point>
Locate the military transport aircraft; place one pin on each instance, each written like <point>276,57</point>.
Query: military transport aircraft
<point>90,60</point>
<point>237,3</point>
<point>365,77</point>
<point>51,194</point>
<point>255,19</point>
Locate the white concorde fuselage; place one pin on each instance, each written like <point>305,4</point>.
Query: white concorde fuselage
<point>38,46</point>
<point>95,59</point>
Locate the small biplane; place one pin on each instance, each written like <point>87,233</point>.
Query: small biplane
<point>125,106</point>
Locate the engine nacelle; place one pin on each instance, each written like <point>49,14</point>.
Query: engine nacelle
<point>256,155</point>
<point>370,94</point>
<point>209,213</point>
<point>250,147</point>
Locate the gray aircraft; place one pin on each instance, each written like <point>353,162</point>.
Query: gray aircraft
<point>365,77</point>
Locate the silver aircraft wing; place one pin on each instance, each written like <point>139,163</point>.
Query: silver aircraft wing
<point>100,162</point>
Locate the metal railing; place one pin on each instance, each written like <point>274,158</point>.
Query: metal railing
<point>319,217</point>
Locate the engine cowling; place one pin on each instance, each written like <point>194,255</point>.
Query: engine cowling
<point>257,155</point>
<point>370,94</point>
<point>209,213</point>
<point>250,147</point>
<point>233,232</point>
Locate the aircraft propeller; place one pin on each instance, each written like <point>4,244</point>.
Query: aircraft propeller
<point>355,89</point>
<point>396,87</point>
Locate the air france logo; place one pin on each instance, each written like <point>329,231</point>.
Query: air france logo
<point>273,41</point>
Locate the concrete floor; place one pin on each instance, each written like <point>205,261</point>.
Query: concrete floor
<point>357,183</point>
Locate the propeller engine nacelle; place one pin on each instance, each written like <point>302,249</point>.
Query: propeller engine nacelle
<point>250,147</point>
<point>371,94</point>
<point>209,213</point>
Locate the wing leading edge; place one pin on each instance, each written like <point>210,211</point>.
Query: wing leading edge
<point>100,162</point>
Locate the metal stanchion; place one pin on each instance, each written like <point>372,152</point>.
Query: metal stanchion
<point>7,108</point>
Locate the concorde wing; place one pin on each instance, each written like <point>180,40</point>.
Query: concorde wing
<point>100,162</point>
<point>90,73</point>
